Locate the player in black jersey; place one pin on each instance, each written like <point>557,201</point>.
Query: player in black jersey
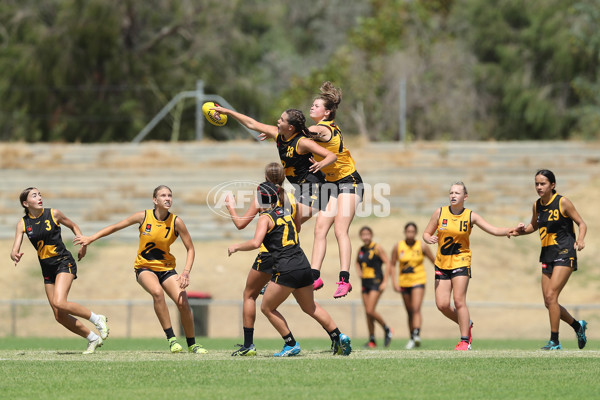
<point>262,268</point>
<point>369,263</point>
<point>42,227</point>
<point>277,230</point>
<point>554,215</point>
<point>296,153</point>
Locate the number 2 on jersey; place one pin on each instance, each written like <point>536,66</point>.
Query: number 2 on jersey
<point>285,238</point>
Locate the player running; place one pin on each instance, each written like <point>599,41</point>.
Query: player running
<point>42,226</point>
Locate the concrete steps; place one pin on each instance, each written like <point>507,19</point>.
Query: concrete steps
<point>100,184</point>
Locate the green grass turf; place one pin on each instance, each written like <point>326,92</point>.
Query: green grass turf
<point>144,369</point>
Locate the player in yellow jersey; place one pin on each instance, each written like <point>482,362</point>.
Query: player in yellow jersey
<point>410,254</point>
<point>296,153</point>
<point>450,227</point>
<point>554,216</point>
<point>344,188</point>
<point>42,227</point>
<point>369,264</point>
<point>155,265</point>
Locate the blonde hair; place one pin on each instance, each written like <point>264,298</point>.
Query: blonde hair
<point>275,173</point>
<point>331,96</point>
<point>158,188</point>
<point>460,183</point>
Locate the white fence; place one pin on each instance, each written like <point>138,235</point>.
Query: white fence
<point>135,318</point>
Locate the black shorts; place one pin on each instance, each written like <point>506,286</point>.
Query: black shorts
<point>408,289</point>
<point>309,193</point>
<point>264,262</point>
<point>547,268</point>
<point>161,275</point>
<point>352,183</point>
<point>296,279</point>
<point>52,267</point>
<point>447,274</point>
<point>370,284</point>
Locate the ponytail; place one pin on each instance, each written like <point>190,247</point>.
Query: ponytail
<point>23,197</point>
<point>331,96</point>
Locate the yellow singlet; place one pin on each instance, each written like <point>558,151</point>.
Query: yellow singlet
<point>344,165</point>
<point>412,268</point>
<point>155,243</point>
<point>453,239</point>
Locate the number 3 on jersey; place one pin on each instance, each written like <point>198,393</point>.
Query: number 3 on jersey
<point>285,239</point>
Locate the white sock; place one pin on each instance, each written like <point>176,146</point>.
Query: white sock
<point>92,336</point>
<point>94,318</point>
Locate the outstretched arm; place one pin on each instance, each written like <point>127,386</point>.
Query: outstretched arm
<point>136,218</point>
<point>270,131</point>
<point>259,235</point>
<point>478,220</point>
<point>521,229</point>
<point>15,254</point>
<point>184,234</point>
<point>244,220</point>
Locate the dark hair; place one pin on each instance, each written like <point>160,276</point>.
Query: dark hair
<point>297,119</point>
<point>275,173</point>
<point>269,194</point>
<point>160,187</point>
<point>365,228</point>
<point>549,175</point>
<point>23,197</point>
<point>409,224</point>
<point>331,96</point>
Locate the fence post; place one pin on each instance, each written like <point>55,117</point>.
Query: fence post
<point>129,318</point>
<point>353,316</point>
<point>13,317</point>
<point>199,115</point>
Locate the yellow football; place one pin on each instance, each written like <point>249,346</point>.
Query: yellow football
<point>213,117</point>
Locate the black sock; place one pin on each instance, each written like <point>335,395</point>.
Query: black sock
<point>416,332</point>
<point>190,341</point>
<point>554,336</point>
<point>169,332</point>
<point>316,274</point>
<point>372,338</point>
<point>248,337</point>
<point>335,334</point>
<point>289,340</point>
<point>386,329</point>
<point>464,339</point>
<point>345,276</point>
<point>576,326</point>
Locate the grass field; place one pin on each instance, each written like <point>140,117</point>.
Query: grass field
<point>144,369</point>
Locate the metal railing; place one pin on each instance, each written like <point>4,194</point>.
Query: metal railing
<point>355,305</point>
